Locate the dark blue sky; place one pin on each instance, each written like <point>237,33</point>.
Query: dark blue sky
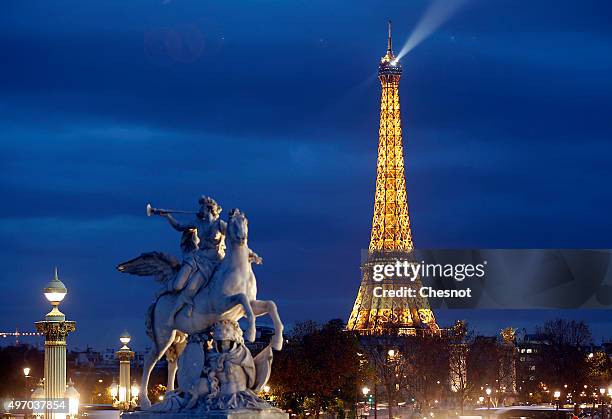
<point>272,106</point>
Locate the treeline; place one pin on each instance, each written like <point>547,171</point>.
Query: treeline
<point>323,368</point>
<point>13,359</point>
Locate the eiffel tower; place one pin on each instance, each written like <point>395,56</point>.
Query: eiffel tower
<point>372,315</point>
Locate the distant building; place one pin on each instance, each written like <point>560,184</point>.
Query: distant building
<point>528,348</point>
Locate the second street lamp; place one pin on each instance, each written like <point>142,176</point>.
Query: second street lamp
<point>557,395</point>
<point>26,375</point>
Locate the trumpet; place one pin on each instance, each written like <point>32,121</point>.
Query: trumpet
<point>160,211</point>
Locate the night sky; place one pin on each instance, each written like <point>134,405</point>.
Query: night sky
<point>272,107</point>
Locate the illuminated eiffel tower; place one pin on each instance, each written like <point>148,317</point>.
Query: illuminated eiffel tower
<point>372,315</point>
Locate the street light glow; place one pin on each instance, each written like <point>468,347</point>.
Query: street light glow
<point>26,371</point>
<point>557,394</point>
<point>55,291</point>
<point>365,391</point>
<point>488,391</point>
<point>134,390</point>
<point>125,338</point>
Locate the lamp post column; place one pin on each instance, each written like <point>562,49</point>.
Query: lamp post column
<point>125,356</point>
<point>55,328</point>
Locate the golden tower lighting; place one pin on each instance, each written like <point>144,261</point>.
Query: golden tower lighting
<point>390,232</point>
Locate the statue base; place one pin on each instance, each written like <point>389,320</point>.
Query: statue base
<point>271,413</point>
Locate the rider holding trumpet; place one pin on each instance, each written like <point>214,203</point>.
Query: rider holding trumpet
<point>208,251</point>
<point>199,264</point>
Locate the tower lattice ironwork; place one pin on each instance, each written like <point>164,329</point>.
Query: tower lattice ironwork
<point>391,232</point>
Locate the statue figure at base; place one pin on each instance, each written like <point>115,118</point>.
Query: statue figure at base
<point>229,379</point>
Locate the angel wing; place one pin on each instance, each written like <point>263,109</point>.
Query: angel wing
<point>161,266</point>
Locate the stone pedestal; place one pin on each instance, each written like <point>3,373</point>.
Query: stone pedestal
<point>272,413</point>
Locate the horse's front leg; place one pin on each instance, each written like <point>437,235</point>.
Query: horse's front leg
<point>260,308</point>
<point>243,300</point>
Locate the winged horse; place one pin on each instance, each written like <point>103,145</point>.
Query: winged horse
<point>230,295</point>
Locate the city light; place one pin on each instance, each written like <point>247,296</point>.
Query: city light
<point>557,394</point>
<point>134,390</point>
<point>125,338</point>
<point>26,371</point>
<point>73,397</point>
<point>365,391</point>
<point>488,391</point>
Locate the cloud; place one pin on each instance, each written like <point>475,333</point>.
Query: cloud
<point>274,108</point>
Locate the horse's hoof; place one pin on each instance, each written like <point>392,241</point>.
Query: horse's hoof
<point>277,342</point>
<point>145,403</point>
<point>251,334</point>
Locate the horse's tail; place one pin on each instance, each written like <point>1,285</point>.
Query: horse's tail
<point>149,321</point>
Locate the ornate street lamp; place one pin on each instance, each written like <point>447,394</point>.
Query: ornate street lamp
<point>73,397</point>
<point>557,395</point>
<point>26,375</point>
<point>125,355</point>
<point>55,327</point>
<point>39,394</point>
<point>114,390</point>
<point>134,392</point>
<point>365,390</point>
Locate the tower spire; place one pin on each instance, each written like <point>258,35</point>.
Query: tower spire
<point>374,312</point>
<point>389,44</point>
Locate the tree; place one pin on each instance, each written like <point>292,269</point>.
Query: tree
<point>460,339</point>
<point>561,359</point>
<point>386,362</point>
<point>599,369</point>
<point>317,370</point>
<point>426,370</point>
<point>12,361</point>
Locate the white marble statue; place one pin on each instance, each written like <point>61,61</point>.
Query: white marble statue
<point>212,285</point>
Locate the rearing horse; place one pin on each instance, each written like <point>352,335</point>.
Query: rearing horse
<point>231,294</point>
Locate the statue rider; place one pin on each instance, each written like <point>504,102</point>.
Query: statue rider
<point>199,264</point>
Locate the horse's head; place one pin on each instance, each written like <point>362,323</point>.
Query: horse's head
<point>237,227</point>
